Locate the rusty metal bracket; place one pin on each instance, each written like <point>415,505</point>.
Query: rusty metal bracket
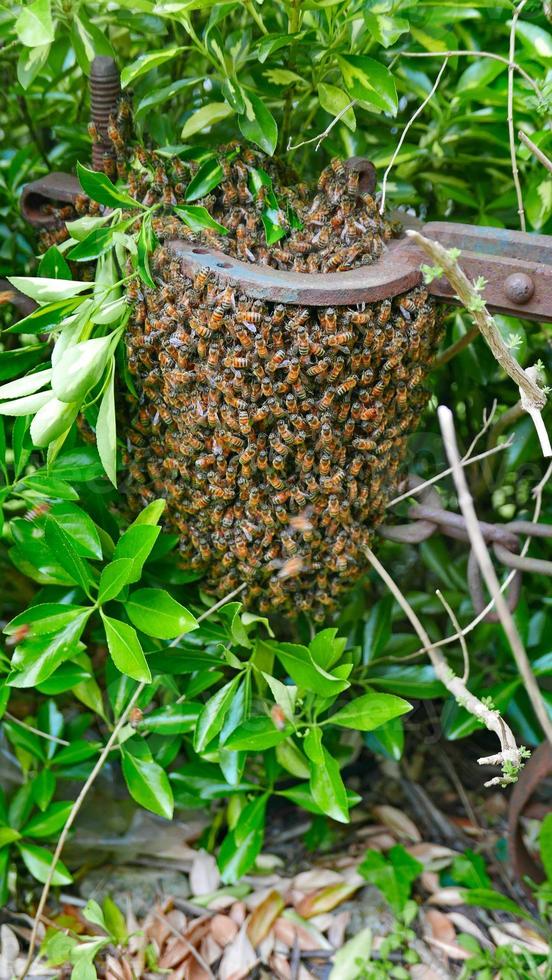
<point>516,266</point>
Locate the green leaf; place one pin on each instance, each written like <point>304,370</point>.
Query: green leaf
<point>377,631</point>
<point>257,734</point>
<point>48,823</point>
<point>146,245</point>
<point>346,960</point>
<point>34,26</point>
<point>488,898</point>
<point>27,405</point>
<point>45,617</point>
<point>8,835</point>
<point>479,74</point>
<point>300,666</point>
<point>369,81</point>
<point>536,41</point>
<point>335,100</point>
<point>545,842</point>
<point>392,874</point>
<point>205,117</point>
<point>39,861</point>
<point>241,847</point>
<point>106,430</point>
<point>214,712</point>
<point>125,649</point>
<point>26,385</point>
<point>151,514</point>
<point>53,265</point>
<point>114,577</point>
<point>80,367</point>
<point>197,218</point>
<point>100,188</point>
<point>370,711</point>
<point>156,613</point>
<point>257,123</point>
<point>326,648</point>
<point>388,740</point>
<point>115,921</point>
<point>171,719</point>
<point>49,486</point>
<point>46,290</point>
<point>145,63</point>
<point>136,543</point>
<point>148,784</point>
<point>384,29</point>
<point>326,784</point>
<point>208,177</point>
<point>44,787</point>
<point>62,547</point>
<point>35,659</point>
<point>93,913</point>
<point>51,420</point>
<point>95,243</point>
<point>80,528</point>
<point>30,63</point>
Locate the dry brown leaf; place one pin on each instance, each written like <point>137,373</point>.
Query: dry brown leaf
<point>336,931</point>
<point>175,951</point>
<point>204,874</point>
<point>398,822</point>
<point>177,919</point>
<point>322,922</point>
<point>238,912</point>
<point>326,899</point>
<point>280,967</point>
<point>198,928</point>
<point>518,937</point>
<point>263,917</point>
<point>464,924</point>
<point>420,971</point>
<point>465,824</point>
<point>438,926</point>
<point>210,949</point>
<point>309,881</point>
<point>223,929</point>
<point>195,971</point>
<point>382,842</point>
<point>266,948</point>
<point>116,969</point>
<point>308,937</point>
<point>238,958</point>
<point>434,857</point>
<point>182,972</point>
<point>447,897</point>
<point>221,902</point>
<point>452,950</point>
<point>429,881</point>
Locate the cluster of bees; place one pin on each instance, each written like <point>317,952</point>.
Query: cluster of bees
<point>275,433</point>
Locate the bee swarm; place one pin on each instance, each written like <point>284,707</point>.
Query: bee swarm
<point>275,433</point>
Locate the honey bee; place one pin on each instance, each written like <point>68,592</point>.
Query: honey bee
<point>346,386</point>
<point>276,361</point>
<point>327,398</point>
<point>328,319</point>
<point>278,315</point>
<point>340,339</point>
<point>384,313</point>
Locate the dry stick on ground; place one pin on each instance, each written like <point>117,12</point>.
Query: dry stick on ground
<point>536,151</point>
<point>532,396</point>
<point>510,756</point>
<point>511,131</point>
<point>484,561</point>
<point>396,151</point>
<point>83,794</point>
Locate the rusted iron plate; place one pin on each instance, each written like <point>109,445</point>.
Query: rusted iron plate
<point>56,188</point>
<point>519,278</point>
<point>396,271</point>
<point>532,775</point>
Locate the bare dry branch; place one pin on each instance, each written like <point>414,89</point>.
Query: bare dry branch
<point>320,137</point>
<point>536,151</point>
<point>510,756</point>
<point>418,112</point>
<point>511,130</point>
<point>452,616</point>
<point>487,570</point>
<point>532,396</point>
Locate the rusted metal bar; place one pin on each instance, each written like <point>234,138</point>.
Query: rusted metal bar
<point>38,197</point>
<point>105,91</point>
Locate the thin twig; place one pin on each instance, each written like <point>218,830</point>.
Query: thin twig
<point>84,792</point>
<point>191,948</point>
<point>537,494</point>
<point>475,54</point>
<point>447,472</point>
<point>36,731</point>
<point>511,130</point>
<point>397,149</point>
<point>459,345</point>
<point>535,150</point>
<point>69,823</point>
<point>532,396</point>
<point>456,624</point>
<point>320,137</point>
<point>484,561</point>
<point>509,752</point>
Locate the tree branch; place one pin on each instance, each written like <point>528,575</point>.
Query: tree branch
<point>511,130</point>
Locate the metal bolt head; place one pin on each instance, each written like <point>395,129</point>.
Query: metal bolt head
<point>519,288</point>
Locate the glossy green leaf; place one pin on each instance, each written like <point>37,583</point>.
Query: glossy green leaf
<point>114,577</point>
<point>100,188</point>
<point>148,784</point>
<point>212,717</point>
<point>206,179</point>
<point>203,118</point>
<point>369,711</point>
<point>171,719</point>
<point>50,822</point>
<point>46,290</point>
<point>257,123</point>
<point>34,24</point>
<point>300,666</point>
<point>136,543</point>
<point>156,613</point>
<point>147,62</point>
<point>326,784</point>
<point>125,649</point>
<point>39,861</point>
<point>106,430</point>
<point>369,81</point>
<point>197,218</point>
<point>257,734</point>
